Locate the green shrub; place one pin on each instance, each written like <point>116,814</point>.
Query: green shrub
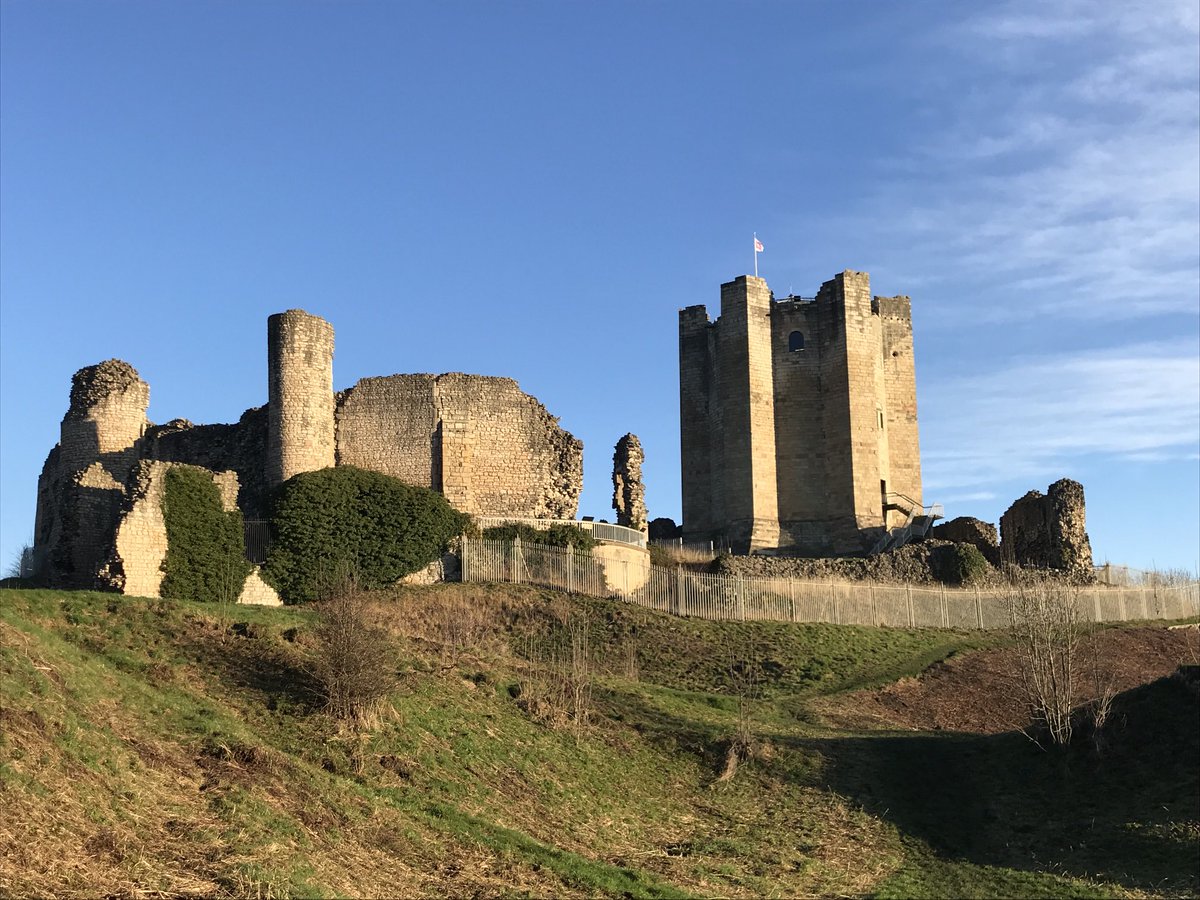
<point>345,519</point>
<point>558,535</point>
<point>206,550</point>
<point>960,564</point>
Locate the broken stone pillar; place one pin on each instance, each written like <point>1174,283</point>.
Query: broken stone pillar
<point>1048,531</point>
<point>629,494</point>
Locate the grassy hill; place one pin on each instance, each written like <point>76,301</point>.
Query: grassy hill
<point>161,746</point>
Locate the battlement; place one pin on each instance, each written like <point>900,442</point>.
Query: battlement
<point>899,307</point>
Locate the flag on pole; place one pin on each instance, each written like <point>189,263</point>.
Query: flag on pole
<point>758,247</point>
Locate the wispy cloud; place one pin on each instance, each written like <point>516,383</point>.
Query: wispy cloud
<point>1067,167</point>
<point>1038,417</point>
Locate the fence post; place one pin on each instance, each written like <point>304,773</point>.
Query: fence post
<point>792,599</point>
<point>874,612</point>
<point>679,589</point>
<point>516,560</point>
<point>741,597</point>
<point>570,570</point>
<point>978,610</point>
<point>837,613</point>
<point>945,612</point>
<point>908,599</point>
<point>1096,603</point>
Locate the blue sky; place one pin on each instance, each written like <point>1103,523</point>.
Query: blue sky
<point>534,189</point>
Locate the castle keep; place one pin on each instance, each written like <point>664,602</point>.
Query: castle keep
<point>798,418</point>
<point>489,447</point>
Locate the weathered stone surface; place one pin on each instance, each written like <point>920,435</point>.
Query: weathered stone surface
<point>1048,531</point>
<point>629,494</point>
<point>300,434</point>
<point>256,592</point>
<point>910,564</point>
<point>798,418</point>
<point>968,530</point>
<point>135,565</point>
<point>82,481</point>
<point>488,446</point>
<point>240,448</point>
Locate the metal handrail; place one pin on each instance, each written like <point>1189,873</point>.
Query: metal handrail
<point>601,531</point>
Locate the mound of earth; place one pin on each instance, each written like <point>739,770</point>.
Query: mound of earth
<point>979,692</point>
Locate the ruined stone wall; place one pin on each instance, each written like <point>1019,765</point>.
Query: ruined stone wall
<point>629,494</point>
<point>135,566</point>
<point>1048,531</point>
<point>968,530</point>
<point>493,449</point>
<point>240,448</point>
<point>300,433</point>
<point>83,479</point>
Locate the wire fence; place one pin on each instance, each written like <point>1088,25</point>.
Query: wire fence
<point>735,598</point>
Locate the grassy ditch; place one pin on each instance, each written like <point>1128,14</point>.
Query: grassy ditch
<point>153,746</point>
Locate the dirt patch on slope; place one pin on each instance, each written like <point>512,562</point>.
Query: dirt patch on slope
<point>979,692</point>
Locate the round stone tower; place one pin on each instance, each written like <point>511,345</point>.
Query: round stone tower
<point>107,416</point>
<point>300,430</point>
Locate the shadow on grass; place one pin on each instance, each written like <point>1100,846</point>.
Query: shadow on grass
<point>1127,816</point>
<point>1003,801</point>
<point>259,663</point>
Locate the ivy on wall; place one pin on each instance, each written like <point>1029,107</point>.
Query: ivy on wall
<point>346,520</point>
<point>206,551</point>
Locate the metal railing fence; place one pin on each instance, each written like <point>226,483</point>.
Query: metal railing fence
<point>736,598</point>
<point>257,534</point>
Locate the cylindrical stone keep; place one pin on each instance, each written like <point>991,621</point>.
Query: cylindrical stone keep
<point>300,427</point>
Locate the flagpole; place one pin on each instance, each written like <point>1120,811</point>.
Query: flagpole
<point>755,245</point>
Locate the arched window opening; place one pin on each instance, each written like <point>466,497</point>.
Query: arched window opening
<point>795,341</point>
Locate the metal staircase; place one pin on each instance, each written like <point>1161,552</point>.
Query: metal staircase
<point>918,520</point>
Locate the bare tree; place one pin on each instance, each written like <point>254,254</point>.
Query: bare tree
<point>354,665</point>
<point>745,676</point>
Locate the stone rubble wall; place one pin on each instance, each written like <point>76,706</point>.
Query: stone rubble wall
<point>240,448</point>
<point>1048,531</point>
<point>910,564</point>
<point>135,566</point>
<point>629,494</point>
<point>82,482</point>
<point>491,448</point>
<point>488,446</point>
<point>256,592</point>
<point>969,530</point>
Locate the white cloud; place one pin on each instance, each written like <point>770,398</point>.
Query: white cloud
<point>1040,416</point>
<point>1068,169</point>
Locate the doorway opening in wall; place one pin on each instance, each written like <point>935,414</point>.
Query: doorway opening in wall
<point>883,504</point>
